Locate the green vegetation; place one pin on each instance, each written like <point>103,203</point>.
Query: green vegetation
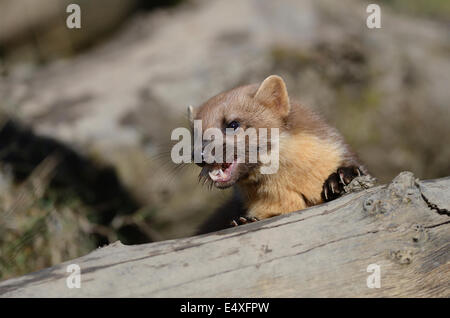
<point>439,9</point>
<point>36,230</point>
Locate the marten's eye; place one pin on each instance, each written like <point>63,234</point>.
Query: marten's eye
<point>233,125</point>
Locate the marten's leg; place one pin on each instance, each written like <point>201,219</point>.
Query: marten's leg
<point>221,218</point>
<point>243,220</point>
<point>333,187</point>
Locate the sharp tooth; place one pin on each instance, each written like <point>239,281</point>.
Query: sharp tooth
<point>217,174</point>
<point>213,176</point>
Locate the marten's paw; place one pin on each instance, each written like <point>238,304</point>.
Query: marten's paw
<point>333,187</point>
<point>243,220</point>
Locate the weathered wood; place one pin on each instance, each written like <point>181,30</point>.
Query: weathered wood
<point>322,251</point>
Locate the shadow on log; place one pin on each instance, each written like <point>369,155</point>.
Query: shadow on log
<point>324,251</point>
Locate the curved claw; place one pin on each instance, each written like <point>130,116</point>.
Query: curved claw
<point>333,186</point>
<point>243,220</point>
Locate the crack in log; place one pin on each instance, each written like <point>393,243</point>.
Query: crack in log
<point>262,226</point>
<point>433,206</point>
<point>436,225</point>
<point>187,246</point>
<point>267,261</point>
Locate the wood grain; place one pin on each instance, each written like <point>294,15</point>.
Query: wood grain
<point>323,251</point>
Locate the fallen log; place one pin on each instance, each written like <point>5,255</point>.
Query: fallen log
<point>390,240</point>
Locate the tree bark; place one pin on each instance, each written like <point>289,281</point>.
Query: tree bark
<point>323,251</point>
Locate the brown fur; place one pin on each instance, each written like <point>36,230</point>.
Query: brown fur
<point>310,150</point>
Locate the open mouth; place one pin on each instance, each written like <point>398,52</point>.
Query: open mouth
<point>223,172</point>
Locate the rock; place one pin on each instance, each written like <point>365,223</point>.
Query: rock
<point>41,28</point>
<point>385,89</point>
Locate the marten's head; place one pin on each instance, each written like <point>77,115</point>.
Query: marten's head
<point>240,130</point>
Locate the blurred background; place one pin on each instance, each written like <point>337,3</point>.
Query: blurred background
<point>86,114</point>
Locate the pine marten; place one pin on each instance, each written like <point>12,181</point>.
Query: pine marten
<point>314,161</point>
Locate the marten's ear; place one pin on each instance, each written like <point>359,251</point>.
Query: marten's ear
<point>190,111</point>
<point>273,93</point>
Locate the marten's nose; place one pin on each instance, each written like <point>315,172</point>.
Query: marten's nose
<point>200,154</point>
<point>202,163</point>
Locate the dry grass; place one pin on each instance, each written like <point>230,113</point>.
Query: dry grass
<point>36,232</point>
